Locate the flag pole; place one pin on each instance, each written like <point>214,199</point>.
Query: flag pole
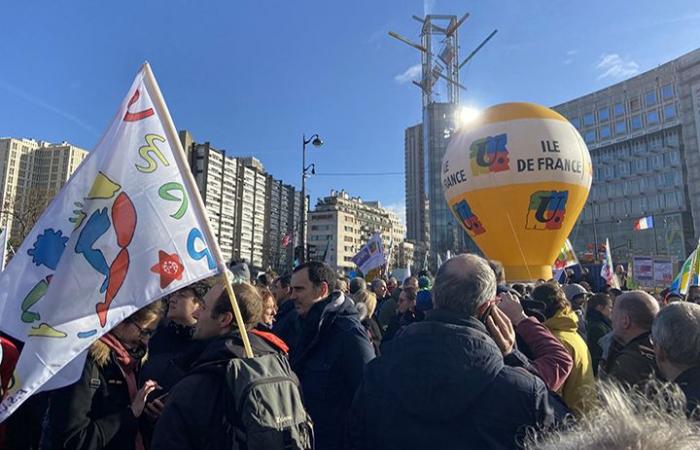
<point>188,178</point>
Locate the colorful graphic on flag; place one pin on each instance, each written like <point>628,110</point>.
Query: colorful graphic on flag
<point>371,255</point>
<point>607,271</point>
<point>489,155</point>
<point>547,210</point>
<point>567,257</point>
<point>128,228</point>
<point>688,276</point>
<point>644,223</point>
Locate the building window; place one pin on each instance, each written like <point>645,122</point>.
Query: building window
<point>636,122</point>
<point>652,118</point>
<point>605,132</point>
<point>604,114</point>
<point>650,98</point>
<point>667,92</point>
<point>575,121</point>
<point>588,119</point>
<point>619,109</point>
<point>589,137</point>
<point>669,112</point>
<point>620,127</point>
<point>634,104</point>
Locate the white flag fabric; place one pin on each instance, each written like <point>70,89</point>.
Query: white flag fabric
<point>3,246</point>
<point>371,255</point>
<point>607,271</point>
<point>127,229</point>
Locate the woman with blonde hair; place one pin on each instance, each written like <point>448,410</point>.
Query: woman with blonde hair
<point>366,303</point>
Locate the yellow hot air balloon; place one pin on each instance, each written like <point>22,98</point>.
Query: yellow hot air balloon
<point>516,178</point>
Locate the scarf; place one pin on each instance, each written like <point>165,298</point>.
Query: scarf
<point>127,365</point>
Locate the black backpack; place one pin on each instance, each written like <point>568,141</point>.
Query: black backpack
<point>264,410</point>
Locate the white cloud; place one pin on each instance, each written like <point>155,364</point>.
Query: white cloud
<point>400,209</point>
<point>614,66</point>
<point>570,56</point>
<point>571,52</point>
<point>412,73</point>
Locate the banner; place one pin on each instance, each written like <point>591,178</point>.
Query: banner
<point>371,255</point>
<point>607,271</point>
<point>643,270</point>
<point>128,228</point>
<point>663,272</point>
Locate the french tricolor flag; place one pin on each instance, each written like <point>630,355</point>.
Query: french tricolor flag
<point>644,223</point>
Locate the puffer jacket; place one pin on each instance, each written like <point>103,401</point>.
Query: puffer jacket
<point>578,390</point>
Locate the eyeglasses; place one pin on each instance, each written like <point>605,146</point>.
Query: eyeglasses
<point>143,332</point>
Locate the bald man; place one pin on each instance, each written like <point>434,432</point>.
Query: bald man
<point>629,356</point>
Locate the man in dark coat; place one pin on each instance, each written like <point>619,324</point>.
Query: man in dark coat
<point>628,357</point>
<point>676,336</point>
<point>442,383</point>
<point>331,352</point>
<point>286,317</point>
<point>194,410</point>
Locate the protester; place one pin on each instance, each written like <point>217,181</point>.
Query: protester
<point>628,355</point>
<point>672,297</point>
<point>269,307</point>
<point>549,358</point>
<point>284,326</point>
<point>388,310</point>
<point>650,420</point>
<point>598,312</point>
<point>676,337</point>
<point>392,284</point>
<point>442,383</point>
<point>331,351</point>
<point>424,297</point>
<point>240,271</point>
<point>693,295</point>
<point>341,285</point>
<point>8,360</point>
<point>577,296</point>
<point>356,284</point>
<point>101,410</point>
<point>406,314</point>
<point>578,388</point>
<point>380,290</point>
<point>175,336</point>
<point>366,303</point>
<point>195,410</point>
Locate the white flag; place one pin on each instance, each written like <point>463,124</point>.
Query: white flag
<point>127,229</point>
<point>3,247</point>
<point>607,271</point>
<point>371,255</point>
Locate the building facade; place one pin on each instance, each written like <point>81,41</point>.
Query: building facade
<point>31,174</point>
<point>643,136</point>
<point>283,218</point>
<point>340,225</point>
<point>417,228</point>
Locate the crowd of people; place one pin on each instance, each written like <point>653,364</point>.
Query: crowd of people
<point>461,360</point>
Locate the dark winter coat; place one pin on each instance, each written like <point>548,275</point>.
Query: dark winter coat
<point>167,344</point>
<point>442,384</point>
<point>632,363</point>
<point>285,322</point>
<point>194,410</point>
<point>689,382</point>
<point>597,326</point>
<point>329,360</point>
<point>94,413</point>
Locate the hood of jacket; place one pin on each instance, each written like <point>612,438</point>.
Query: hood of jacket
<point>440,366</point>
<point>563,320</point>
<point>100,353</point>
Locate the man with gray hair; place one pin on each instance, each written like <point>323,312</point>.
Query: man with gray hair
<point>628,356</point>
<point>442,382</point>
<point>676,337</point>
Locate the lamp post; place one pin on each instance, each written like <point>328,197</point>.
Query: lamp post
<point>316,141</point>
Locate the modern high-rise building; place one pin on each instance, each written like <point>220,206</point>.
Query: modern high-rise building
<point>31,174</point>
<point>250,212</point>
<point>417,229</point>
<point>340,225</point>
<point>643,136</point>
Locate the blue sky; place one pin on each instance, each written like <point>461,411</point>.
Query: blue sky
<point>251,76</point>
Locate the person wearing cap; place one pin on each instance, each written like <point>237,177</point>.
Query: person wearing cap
<point>577,296</point>
<point>424,297</point>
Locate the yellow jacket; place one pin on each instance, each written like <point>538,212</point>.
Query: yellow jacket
<point>578,390</point>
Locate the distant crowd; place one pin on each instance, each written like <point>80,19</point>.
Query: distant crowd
<point>455,361</point>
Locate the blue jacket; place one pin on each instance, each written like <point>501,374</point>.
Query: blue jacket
<point>442,384</point>
<point>329,358</point>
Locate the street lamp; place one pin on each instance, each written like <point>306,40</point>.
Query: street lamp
<point>316,141</point>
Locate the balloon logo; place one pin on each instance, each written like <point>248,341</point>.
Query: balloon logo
<point>516,178</point>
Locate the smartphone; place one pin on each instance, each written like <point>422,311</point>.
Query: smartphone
<point>486,313</point>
